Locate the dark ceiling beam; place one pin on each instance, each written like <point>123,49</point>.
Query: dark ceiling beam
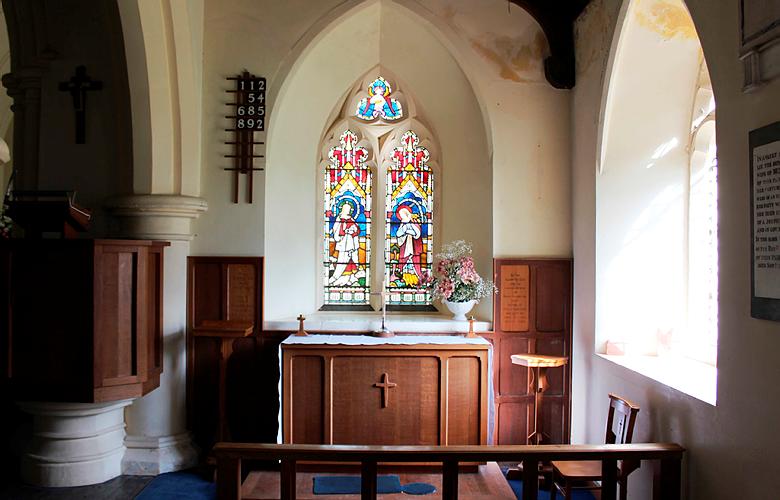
<point>556,17</point>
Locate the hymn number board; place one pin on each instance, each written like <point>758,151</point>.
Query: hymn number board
<point>250,114</point>
<point>249,117</point>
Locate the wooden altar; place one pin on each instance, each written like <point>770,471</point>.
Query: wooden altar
<point>338,390</point>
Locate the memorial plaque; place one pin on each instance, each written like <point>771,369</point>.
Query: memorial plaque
<point>514,289</point>
<point>765,222</point>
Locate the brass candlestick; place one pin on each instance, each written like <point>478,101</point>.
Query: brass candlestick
<point>471,334</point>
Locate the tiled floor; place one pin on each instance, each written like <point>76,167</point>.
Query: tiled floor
<point>120,488</point>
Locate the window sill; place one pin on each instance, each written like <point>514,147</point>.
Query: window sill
<point>685,375</point>
<point>362,322</point>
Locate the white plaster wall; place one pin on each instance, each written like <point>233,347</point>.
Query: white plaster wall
<point>447,102</point>
<point>522,147</point>
<point>238,35</point>
<point>531,176</point>
<point>731,444</point>
<point>293,157</point>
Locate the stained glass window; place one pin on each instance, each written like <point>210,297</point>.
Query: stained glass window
<point>347,225</point>
<point>379,103</point>
<point>408,223</point>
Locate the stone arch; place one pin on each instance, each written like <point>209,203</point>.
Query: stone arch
<point>311,85</point>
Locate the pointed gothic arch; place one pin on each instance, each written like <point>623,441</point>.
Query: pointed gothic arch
<point>304,107</point>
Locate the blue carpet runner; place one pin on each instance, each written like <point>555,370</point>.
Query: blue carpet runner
<point>346,485</point>
<point>178,486</point>
<point>517,487</point>
<point>190,486</point>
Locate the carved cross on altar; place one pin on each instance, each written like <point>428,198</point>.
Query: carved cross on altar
<point>386,385</point>
<point>78,86</point>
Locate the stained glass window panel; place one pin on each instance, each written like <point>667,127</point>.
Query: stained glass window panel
<point>379,104</point>
<point>408,223</point>
<point>347,223</point>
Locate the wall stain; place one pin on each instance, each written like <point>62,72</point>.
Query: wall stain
<point>592,35</point>
<point>516,59</point>
<point>670,19</point>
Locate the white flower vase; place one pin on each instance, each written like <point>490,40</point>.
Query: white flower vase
<point>459,309</point>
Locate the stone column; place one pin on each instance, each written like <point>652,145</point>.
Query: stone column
<point>157,439</point>
<point>74,444</point>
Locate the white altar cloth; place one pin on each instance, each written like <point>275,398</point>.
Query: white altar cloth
<point>317,339</point>
<point>397,340</point>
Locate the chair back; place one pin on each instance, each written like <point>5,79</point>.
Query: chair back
<point>620,420</point>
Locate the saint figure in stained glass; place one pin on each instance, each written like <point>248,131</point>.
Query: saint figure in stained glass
<point>409,237</point>
<point>346,233</point>
<point>347,223</point>
<point>379,103</point>
<point>409,223</point>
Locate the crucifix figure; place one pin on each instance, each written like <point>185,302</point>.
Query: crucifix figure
<point>78,86</point>
<point>385,385</point>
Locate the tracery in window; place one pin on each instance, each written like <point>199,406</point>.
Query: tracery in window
<point>379,103</point>
<point>408,223</point>
<point>347,224</point>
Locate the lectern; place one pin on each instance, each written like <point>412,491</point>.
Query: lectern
<point>40,212</point>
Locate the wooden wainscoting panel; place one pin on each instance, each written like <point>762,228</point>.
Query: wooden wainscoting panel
<point>556,378</point>
<point>205,290</point>
<point>230,289</point>
<point>548,287</point>
<point>512,421</point>
<point>553,420</point>
<point>512,379</point>
<point>552,297</point>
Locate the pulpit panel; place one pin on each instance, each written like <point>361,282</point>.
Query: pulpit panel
<point>404,413</point>
<point>89,329</point>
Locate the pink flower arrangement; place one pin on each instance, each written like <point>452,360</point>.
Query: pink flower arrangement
<point>456,279</point>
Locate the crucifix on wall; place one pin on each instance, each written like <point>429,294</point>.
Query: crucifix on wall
<point>78,86</point>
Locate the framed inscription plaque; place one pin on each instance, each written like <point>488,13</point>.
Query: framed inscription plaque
<point>515,283</point>
<point>765,222</point>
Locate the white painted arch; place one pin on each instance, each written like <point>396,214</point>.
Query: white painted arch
<point>315,85</point>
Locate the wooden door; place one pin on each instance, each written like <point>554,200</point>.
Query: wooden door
<point>532,314</point>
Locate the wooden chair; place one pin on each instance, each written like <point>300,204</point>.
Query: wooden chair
<point>567,476</point>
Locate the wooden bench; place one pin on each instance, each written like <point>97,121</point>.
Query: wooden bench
<point>230,455</point>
